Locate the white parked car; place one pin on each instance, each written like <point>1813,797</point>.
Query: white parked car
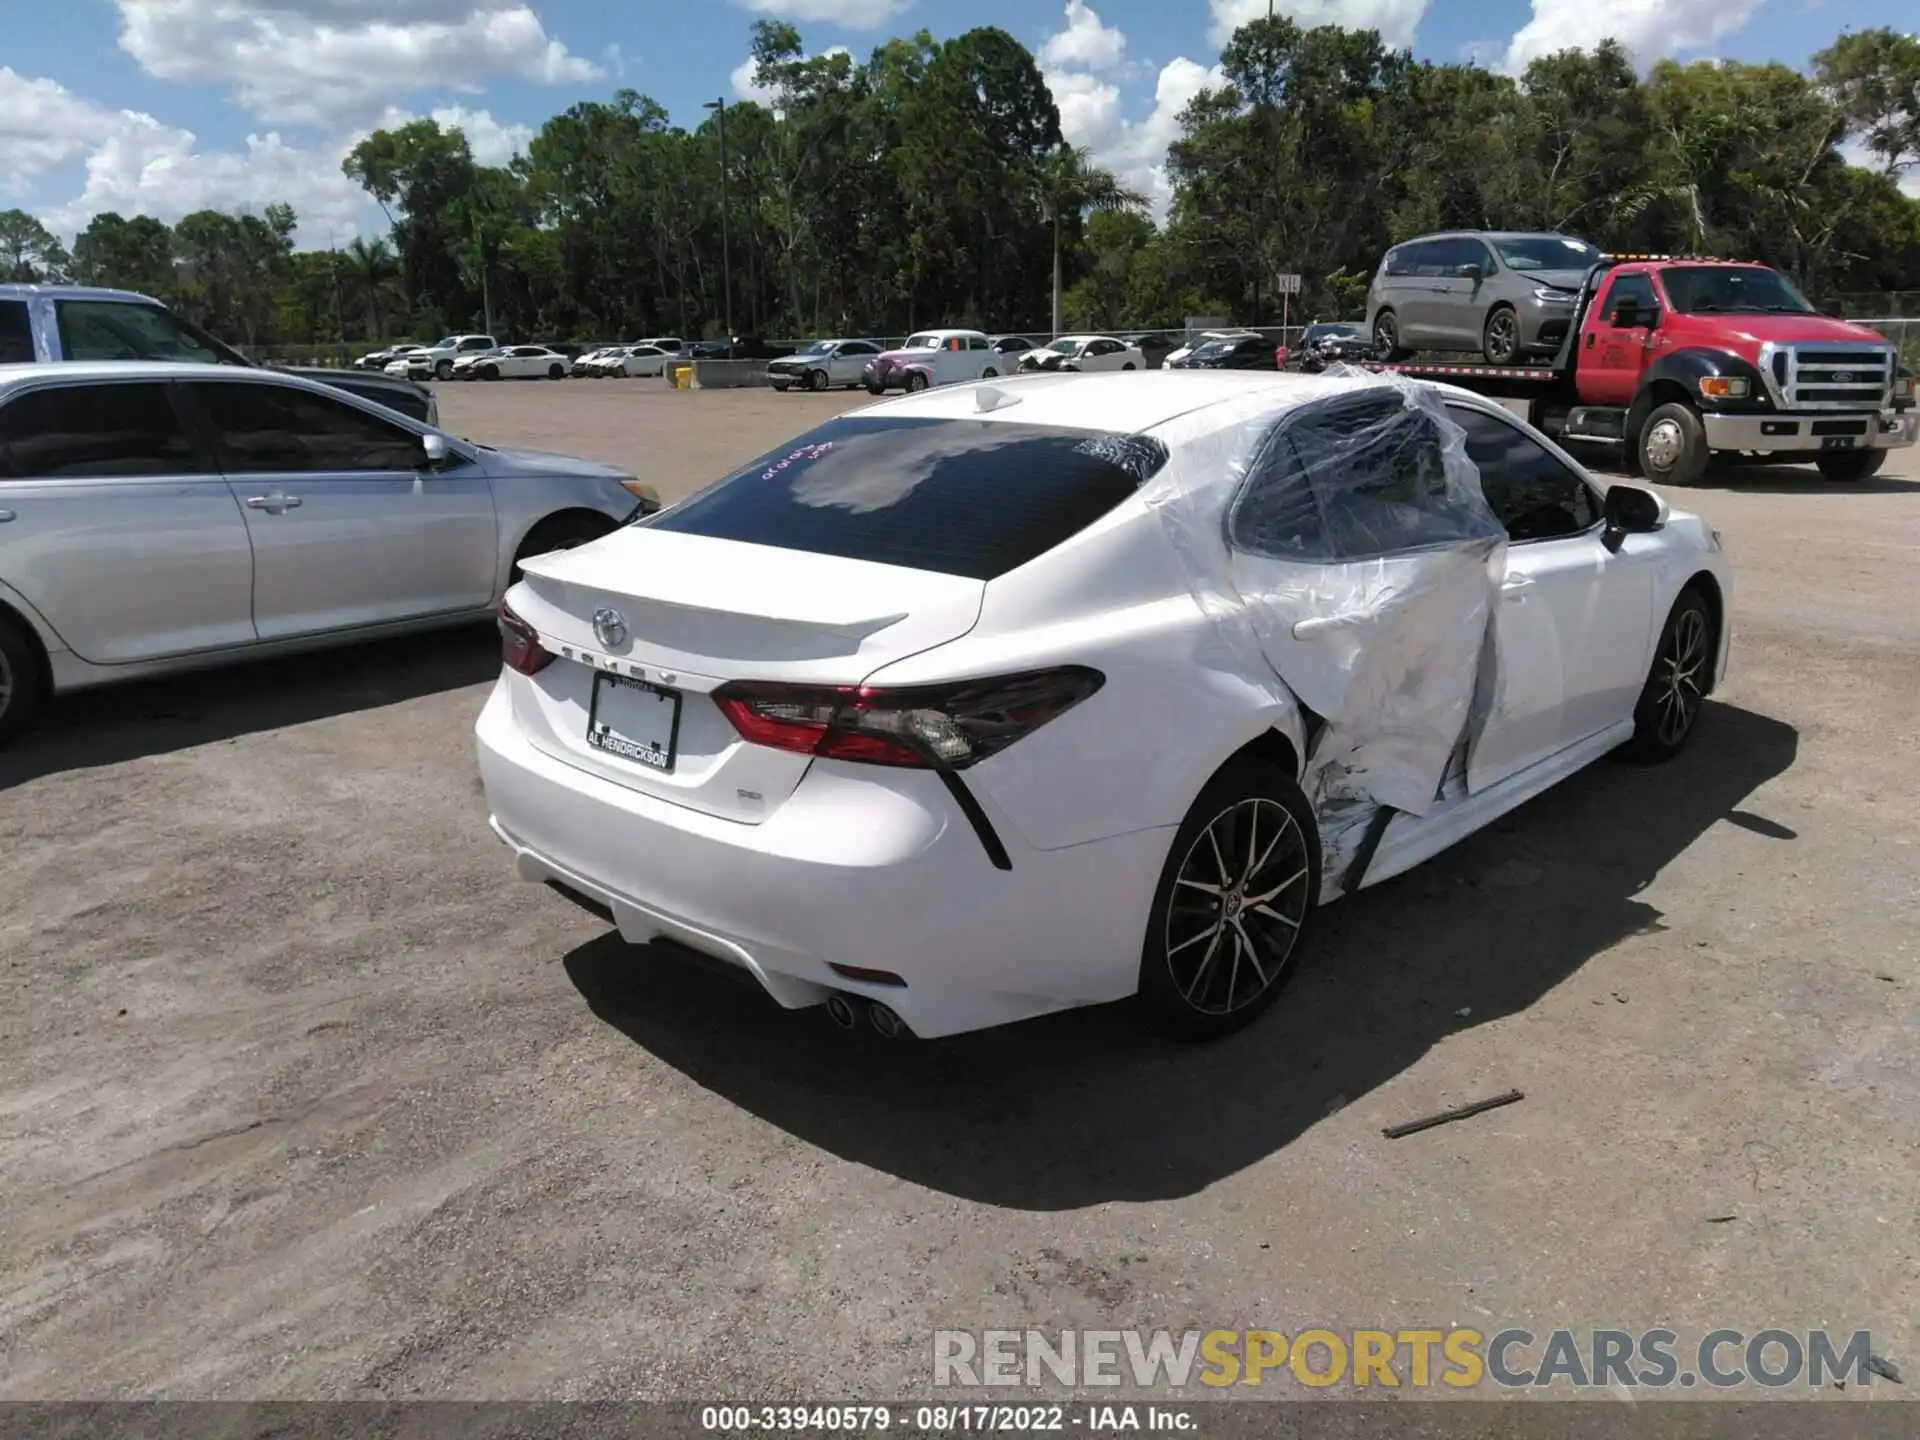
<point>435,361</point>
<point>1002,699</point>
<point>636,361</point>
<point>934,357</point>
<point>1206,337</point>
<point>672,344</point>
<point>823,365</point>
<point>515,362</point>
<point>592,364</point>
<point>1085,352</point>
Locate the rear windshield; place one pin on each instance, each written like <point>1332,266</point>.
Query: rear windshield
<point>960,497</point>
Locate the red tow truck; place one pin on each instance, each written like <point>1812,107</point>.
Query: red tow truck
<point>1676,359</point>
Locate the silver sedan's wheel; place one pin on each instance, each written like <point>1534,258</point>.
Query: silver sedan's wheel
<point>22,671</point>
<point>1234,903</point>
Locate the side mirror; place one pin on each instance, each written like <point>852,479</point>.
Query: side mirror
<point>1630,510</point>
<point>1472,271</point>
<point>433,451</point>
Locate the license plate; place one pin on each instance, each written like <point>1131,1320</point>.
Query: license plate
<point>1838,442</point>
<point>634,720</point>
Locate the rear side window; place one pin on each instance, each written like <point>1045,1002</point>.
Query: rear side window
<point>16,333</point>
<point>960,497</point>
<point>277,429</point>
<point>1347,480</point>
<point>407,402</point>
<point>93,432</point>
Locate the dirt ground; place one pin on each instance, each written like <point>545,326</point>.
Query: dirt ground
<point>302,1095</point>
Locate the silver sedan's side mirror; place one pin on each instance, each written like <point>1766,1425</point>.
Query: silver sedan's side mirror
<point>434,449</point>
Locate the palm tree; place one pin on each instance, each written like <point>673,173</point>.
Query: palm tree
<point>372,266</point>
<point>1069,182</point>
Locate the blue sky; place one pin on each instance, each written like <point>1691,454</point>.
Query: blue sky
<point>166,106</point>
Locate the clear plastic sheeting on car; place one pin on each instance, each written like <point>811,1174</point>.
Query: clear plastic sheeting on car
<point>1356,570</point>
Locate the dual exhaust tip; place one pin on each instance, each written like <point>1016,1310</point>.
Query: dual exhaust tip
<point>844,1010</point>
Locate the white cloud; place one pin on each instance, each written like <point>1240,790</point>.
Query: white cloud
<point>1396,20</point>
<point>335,62</point>
<point>849,14</point>
<point>135,164</point>
<point>741,78</point>
<point>43,125</point>
<point>1091,115</point>
<point>491,142</point>
<point>1085,44</point>
<point>147,168</point>
<point>1650,29</point>
<point>1082,65</point>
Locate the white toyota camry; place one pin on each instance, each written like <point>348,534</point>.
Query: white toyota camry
<point>1009,697</point>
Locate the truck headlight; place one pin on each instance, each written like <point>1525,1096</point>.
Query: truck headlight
<point>1551,295</point>
<point>1724,387</point>
<point>1903,387</point>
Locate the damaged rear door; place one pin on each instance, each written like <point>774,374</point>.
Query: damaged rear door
<point>1366,558</point>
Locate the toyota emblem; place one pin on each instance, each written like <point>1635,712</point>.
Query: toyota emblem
<point>610,628</point>
<point>1842,377</point>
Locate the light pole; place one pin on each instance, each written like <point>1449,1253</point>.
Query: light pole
<point>719,108</point>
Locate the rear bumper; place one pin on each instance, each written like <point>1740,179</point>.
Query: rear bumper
<point>1810,431</point>
<point>866,866</point>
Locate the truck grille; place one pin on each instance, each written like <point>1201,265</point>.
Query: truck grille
<point>1832,377</point>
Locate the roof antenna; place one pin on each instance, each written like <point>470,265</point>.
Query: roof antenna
<point>987,397</point>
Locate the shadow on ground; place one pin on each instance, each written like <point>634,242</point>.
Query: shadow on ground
<point>112,724</point>
<point>1084,1108</point>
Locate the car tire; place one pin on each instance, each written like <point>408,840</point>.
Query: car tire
<point>876,389</point>
<point>490,372</point>
<point>443,369</point>
<point>1386,337</point>
<point>816,380</point>
<point>1127,366</point>
<point>1851,466</point>
<point>780,389</point>
<point>1224,848</point>
<point>1670,703</point>
<point>1500,336</point>
<point>916,383</point>
<point>989,374</point>
<point>1672,446</point>
<point>559,532</point>
<point>23,673</point>
<point>556,372</point>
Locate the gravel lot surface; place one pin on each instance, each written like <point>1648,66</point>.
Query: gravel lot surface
<point>302,1095</point>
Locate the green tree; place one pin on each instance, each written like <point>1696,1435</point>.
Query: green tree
<point>29,252</point>
<point>134,254</point>
<point>1874,77</point>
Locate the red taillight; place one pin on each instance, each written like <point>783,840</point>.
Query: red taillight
<point>941,727</point>
<point>520,646</point>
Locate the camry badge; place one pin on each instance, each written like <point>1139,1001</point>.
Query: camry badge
<point>610,628</point>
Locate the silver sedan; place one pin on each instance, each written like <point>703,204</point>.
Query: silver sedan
<point>156,517</point>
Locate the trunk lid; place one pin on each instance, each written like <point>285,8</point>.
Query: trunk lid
<point>698,612</point>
